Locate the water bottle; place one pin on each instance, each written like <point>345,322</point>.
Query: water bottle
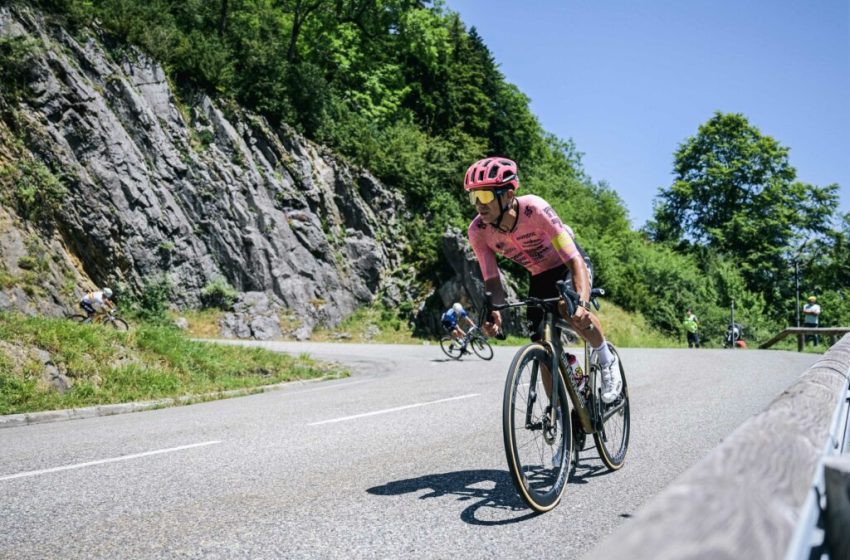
<point>575,371</point>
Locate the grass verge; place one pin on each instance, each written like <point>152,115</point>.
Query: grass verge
<point>103,366</point>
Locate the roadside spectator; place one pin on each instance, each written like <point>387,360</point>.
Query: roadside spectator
<point>691,324</point>
<point>811,315</point>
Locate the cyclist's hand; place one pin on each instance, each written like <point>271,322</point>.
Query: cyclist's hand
<point>581,319</point>
<point>495,327</point>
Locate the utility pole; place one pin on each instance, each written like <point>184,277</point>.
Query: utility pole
<point>732,325</point>
<point>797,256</point>
<point>797,282</point>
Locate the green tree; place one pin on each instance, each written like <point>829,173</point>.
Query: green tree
<point>735,192</point>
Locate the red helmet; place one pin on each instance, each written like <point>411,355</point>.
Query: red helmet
<point>491,172</point>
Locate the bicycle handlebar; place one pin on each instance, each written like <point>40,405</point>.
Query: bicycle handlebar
<point>570,296</point>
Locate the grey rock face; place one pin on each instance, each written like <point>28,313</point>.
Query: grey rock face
<point>195,190</point>
<point>255,315</point>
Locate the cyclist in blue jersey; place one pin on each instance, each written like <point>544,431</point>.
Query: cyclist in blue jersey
<point>452,318</point>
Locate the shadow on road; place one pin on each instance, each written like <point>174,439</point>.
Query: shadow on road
<point>589,466</point>
<point>496,500</point>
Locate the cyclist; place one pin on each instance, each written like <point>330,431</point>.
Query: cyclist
<point>94,303</point>
<point>527,230</point>
<point>451,321</point>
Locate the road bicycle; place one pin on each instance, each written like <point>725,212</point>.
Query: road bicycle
<point>108,318</point>
<point>474,339</point>
<point>543,435</point>
<point>734,333</point>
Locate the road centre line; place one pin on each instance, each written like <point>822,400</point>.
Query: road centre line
<point>388,410</point>
<point>112,460</point>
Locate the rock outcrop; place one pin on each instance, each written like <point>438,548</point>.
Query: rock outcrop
<point>194,189</point>
<point>466,286</point>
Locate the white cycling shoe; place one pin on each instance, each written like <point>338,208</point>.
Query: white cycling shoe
<point>612,382</point>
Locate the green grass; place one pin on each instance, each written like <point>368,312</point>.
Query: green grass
<point>631,330</point>
<point>369,324</point>
<point>149,362</point>
<point>379,325</point>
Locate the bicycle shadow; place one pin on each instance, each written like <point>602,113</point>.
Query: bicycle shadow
<point>492,489</point>
<point>444,360</point>
<point>589,466</point>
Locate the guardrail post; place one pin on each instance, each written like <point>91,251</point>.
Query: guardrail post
<point>837,482</point>
<point>800,338</point>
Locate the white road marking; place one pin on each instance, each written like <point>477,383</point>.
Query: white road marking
<point>102,461</point>
<point>388,410</point>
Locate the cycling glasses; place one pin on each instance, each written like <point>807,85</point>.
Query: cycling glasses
<point>484,196</point>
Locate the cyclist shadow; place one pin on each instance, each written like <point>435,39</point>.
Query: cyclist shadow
<point>589,466</point>
<point>492,490</point>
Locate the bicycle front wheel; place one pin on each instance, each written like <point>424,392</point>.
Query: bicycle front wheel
<point>538,444</point>
<point>612,441</point>
<point>451,347</point>
<point>119,324</point>
<point>481,348</point>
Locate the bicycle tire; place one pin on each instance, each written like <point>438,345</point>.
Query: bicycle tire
<point>481,348</point>
<point>531,443</point>
<point>77,318</point>
<point>119,324</point>
<point>612,440</point>
<point>451,347</point>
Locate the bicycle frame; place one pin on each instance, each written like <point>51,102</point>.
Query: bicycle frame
<point>552,339</point>
<point>590,422</point>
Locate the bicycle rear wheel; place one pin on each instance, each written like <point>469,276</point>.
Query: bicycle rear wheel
<point>451,347</point>
<point>481,348</point>
<point>77,318</point>
<point>538,450</point>
<point>119,324</point>
<point>612,441</point>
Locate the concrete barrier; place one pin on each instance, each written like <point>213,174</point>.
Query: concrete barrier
<point>759,493</point>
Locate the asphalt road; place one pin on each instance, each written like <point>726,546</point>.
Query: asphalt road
<point>402,460</point>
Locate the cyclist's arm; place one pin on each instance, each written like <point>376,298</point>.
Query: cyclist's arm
<point>493,325</point>
<point>490,273</point>
<point>580,277</point>
<point>561,237</point>
<point>469,322</point>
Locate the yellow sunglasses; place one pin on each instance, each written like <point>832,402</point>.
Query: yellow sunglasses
<point>484,197</point>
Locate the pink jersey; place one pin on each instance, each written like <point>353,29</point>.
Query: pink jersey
<point>539,241</point>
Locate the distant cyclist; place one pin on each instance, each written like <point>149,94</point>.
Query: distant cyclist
<point>452,318</point>
<point>94,303</point>
<point>527,230</point>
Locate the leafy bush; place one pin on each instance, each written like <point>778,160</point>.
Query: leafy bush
<point>152,304</point>
<point>36,192</point>
<point>218,293</point>
<point>16,68</point>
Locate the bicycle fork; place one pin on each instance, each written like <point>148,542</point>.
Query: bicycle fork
<point>549,421</point>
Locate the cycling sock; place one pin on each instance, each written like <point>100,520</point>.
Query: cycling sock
<point>604,354</point>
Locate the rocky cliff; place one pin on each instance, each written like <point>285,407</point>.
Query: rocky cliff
<point>150,185</point>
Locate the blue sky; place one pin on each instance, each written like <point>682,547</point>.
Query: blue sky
<point>629,81</point>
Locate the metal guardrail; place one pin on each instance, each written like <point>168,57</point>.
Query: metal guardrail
<point>760,493</point>
<point>810,540</point>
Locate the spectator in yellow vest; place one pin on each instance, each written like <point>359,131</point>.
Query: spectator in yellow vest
<point>691,324</point>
